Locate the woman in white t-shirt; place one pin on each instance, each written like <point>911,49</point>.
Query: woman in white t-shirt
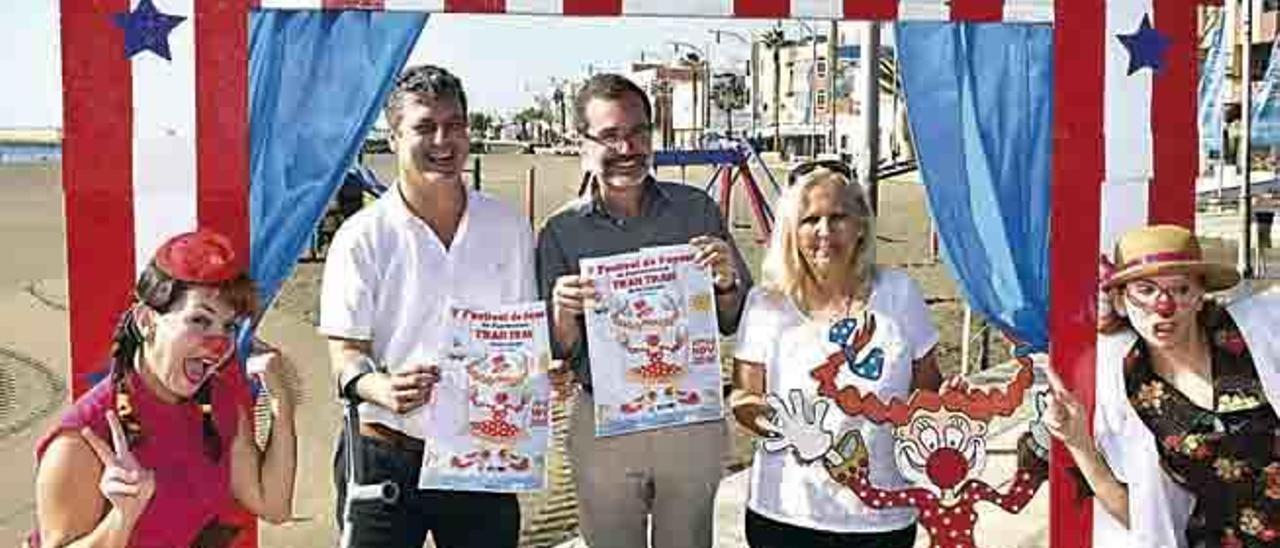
<point>822,293</point>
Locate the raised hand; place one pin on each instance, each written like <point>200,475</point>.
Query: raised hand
<point>571,296</point>
<point>797,425</point>
<point>404,390</point>
<point>715,255</point>
<point>125,483</point>
<point>750,411</point>
<point>1064,417</point>
<point>268,364</point>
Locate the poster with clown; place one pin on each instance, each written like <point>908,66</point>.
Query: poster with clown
<point>940,446</point>
<point>489,426</point>
<point>653,341</point>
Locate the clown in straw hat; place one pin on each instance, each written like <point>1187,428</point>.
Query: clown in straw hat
<point>1181,452</point>
<point>1165,249</point>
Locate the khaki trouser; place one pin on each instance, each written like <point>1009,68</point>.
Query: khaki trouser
<point>671,474</point>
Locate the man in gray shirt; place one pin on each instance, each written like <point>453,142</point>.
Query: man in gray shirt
<point>670,473</point>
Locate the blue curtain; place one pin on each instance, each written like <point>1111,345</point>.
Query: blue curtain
<point>980,100</point>
<point>317,80</point>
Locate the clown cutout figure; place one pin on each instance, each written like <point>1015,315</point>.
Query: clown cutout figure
<point>500,407</point>
<point>939,446</point>
<point>650,328</point>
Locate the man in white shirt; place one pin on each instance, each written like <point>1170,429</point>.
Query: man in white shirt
<point>392,272</point>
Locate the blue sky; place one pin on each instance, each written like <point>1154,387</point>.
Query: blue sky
<point>501,59</point>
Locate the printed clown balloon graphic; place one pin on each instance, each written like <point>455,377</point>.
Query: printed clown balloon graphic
<point>939,445</point>
<point>651,330</point>
<point>500,407</point>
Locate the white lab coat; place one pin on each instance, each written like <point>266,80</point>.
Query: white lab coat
<point>1159,508</point>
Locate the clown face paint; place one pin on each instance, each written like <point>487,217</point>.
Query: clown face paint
<point>1162,309</point>
<point>188,344</point>
<point>940,450</point>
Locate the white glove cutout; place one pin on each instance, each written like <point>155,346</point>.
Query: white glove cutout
<point>798,426</point>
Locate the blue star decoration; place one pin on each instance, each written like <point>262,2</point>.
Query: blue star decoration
<point>1146,47</point>
<point>145,28</point>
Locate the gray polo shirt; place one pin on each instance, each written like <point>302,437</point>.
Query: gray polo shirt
<point>671,213</point>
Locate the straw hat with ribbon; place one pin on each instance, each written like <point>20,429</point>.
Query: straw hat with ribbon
<point>1163,249</point>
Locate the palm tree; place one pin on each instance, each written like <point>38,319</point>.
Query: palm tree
<point>558,98</point>
<point>729,93</point>
<point>774,39</point>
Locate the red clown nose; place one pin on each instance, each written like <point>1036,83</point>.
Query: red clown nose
<point>946,467</point>
<point>218,345</point>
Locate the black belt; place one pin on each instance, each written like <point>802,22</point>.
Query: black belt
<point>392,437</point>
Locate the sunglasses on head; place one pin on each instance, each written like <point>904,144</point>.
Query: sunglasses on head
<point>806,168</point>
<point>434,75</point>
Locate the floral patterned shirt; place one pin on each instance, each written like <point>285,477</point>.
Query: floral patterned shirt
<point>1228,456</point>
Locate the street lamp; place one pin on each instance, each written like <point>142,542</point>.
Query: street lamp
<point>731,95</point>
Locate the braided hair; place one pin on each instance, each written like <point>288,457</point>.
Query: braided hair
<point>160,291</point>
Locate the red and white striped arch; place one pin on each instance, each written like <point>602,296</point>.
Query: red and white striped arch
<point>1124,146</point>
<point>928,10</point>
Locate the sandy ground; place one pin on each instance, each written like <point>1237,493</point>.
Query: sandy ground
<point>34,355</point>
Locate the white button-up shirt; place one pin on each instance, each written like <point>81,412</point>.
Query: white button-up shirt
<point>389,279</point>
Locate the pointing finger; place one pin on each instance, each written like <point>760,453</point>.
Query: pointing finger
<point>118,439</point>
<point>98,446</point>
<point>1055,382</point>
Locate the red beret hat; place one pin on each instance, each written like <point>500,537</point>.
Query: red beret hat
<point>203,257</point>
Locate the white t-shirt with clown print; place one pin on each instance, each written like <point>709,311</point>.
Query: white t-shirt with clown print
<point>776,333</point>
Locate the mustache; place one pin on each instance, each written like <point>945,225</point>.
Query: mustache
<point>638,158</point>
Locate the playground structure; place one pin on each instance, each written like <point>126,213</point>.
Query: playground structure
<point>358,183</point>
<point>733,161</point>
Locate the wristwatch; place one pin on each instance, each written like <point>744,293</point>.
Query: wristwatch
<point>351,374</point>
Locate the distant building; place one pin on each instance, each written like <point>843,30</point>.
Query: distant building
<point>679,95</point>
<point>818,108</point>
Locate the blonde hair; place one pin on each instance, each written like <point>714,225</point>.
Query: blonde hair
<point>785,269</point>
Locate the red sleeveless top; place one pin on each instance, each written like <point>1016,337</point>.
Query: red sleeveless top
<point>191,490</point>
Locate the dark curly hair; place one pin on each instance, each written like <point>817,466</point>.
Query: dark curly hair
<point>428,81</point>
<point>608,86</point>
